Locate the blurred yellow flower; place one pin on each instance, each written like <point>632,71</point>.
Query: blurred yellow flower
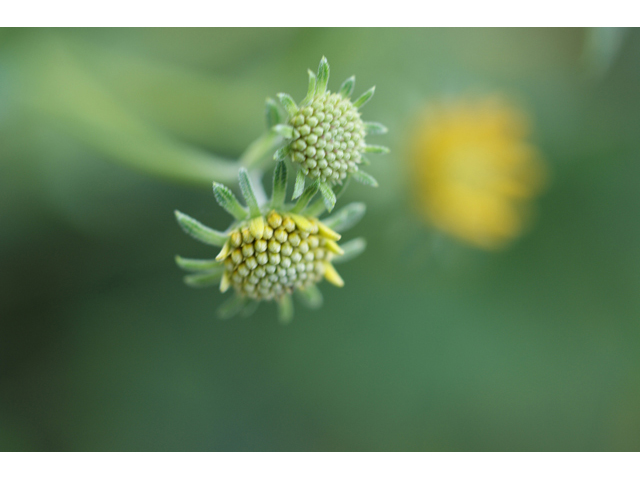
<point>475,172</point>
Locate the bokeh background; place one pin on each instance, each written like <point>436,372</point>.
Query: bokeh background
<point>433,344</point>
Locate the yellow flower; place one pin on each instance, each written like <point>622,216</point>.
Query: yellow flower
<point>475,172</point>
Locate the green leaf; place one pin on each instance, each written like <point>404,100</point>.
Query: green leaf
<point>285,131</point>
<point>328,197</point>
<point>311,90</point>
<point>227,200</point>
<point>351,250</point>
<point>364,98</point>
<point>365,178</point>
<point>376,149</point>
<point>279,185</point>
<point>364,161</point>
<point>346,217</point>
<point>195,265</point>
<point>282,153</point>
<point>298,188</point>
<point>272,113</point>
<point>204,279</point>
<point>311,296</point>
<point>231,307</point>
<point>248,193</point>
<point>285,309</point>
<point>323,76</point>
<point>288,103</point>
<point>250,308</point>
<point>306,197</point>
<point>375,128</point>
<point>199,231</point>
<point>346,89</point>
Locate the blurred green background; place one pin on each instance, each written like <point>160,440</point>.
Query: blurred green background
<point>431,345</point>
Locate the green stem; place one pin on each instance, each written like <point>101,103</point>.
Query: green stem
<point>255,155</point>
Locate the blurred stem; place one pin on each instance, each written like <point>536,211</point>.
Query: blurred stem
<point>54,85</point>
<point>255,155</point>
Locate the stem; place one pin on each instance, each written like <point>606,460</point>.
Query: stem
<point>255,153</point>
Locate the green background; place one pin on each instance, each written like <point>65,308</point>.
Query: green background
<point>431,344</point>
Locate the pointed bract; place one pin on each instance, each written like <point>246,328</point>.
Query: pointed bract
<point>351,250</point>
<point>323,76</point>
<point>306,197</point>
<point>272,113</point>
<point>285,131</point>
<point>346,89</point>
<point>247,192</point>
<point>279,185</point>
<point>203,279</point>
<point>328,197</point>
<point>311,296</point>
<point>227,200</point>
<point>364,98</point>
<point>288,103</point>
<point>199,231</point>
<point>376,149</point>
<point>347,217</point>
<point>375,128</point>
<point>195,265</point>
<point>365,178</point>
<point>311,90</point>
<point>298,187</point>
<point>285,309</point>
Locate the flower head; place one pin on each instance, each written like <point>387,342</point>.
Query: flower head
<point>325,134</point>
<point>271,250</point>
<point>476,172</point>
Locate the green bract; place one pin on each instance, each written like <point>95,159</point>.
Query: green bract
<point>325,134</point>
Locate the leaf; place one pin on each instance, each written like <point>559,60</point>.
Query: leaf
<point>227,200</point>
<point>195,265</point>
<point>272,113</point>
<point>346,89</point>
<point>279,185</point>
<point>231,307</point>
<point>298,188</point>
<point>311,296</point>
<point>285,131</point>
<point>285,309</point>
<point>347,217</point>
<point>323,76</point>
<point>328,197</point>
<point>306,197</point>
<point>375,128</point>
<point>288,103</point>
<point>364,98</point>
<point>282,153</point>
<point>203,279</point>
<point>351,250</point>
<point>199,231</point>
<point>311,90</point>
<point>376,149</point>
<point>247,192</point>
<point>365,178</point>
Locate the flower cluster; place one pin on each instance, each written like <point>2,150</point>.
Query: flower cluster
<point>275,249</point>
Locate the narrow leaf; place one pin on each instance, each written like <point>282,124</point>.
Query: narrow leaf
<point>248,193</point>
<point>311,91</point>
<point>285,309</point>
<point>195,265</point>
<point>231,307</point>
<point>347,217</point>
<point>365,178</point>
<point>288,103</point>
<point>250,308</point>
<point>298,188</point>
<point>328,197</point>
<point>199,231</point>
<point>376,149</point>
<point>311,296</point>
<point>227,200</point>
<point>346,89</point>
<point>351,250</point>
<point>375,128</point>
<point>323,76</point>
<point>272,113</point>
<point>203,279</point>
<point>365,161</point>
<point>279,185</point>
<point>306,197</point>
<point>285,131</point>
<point>282,153</point>
<point>364,98</point>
